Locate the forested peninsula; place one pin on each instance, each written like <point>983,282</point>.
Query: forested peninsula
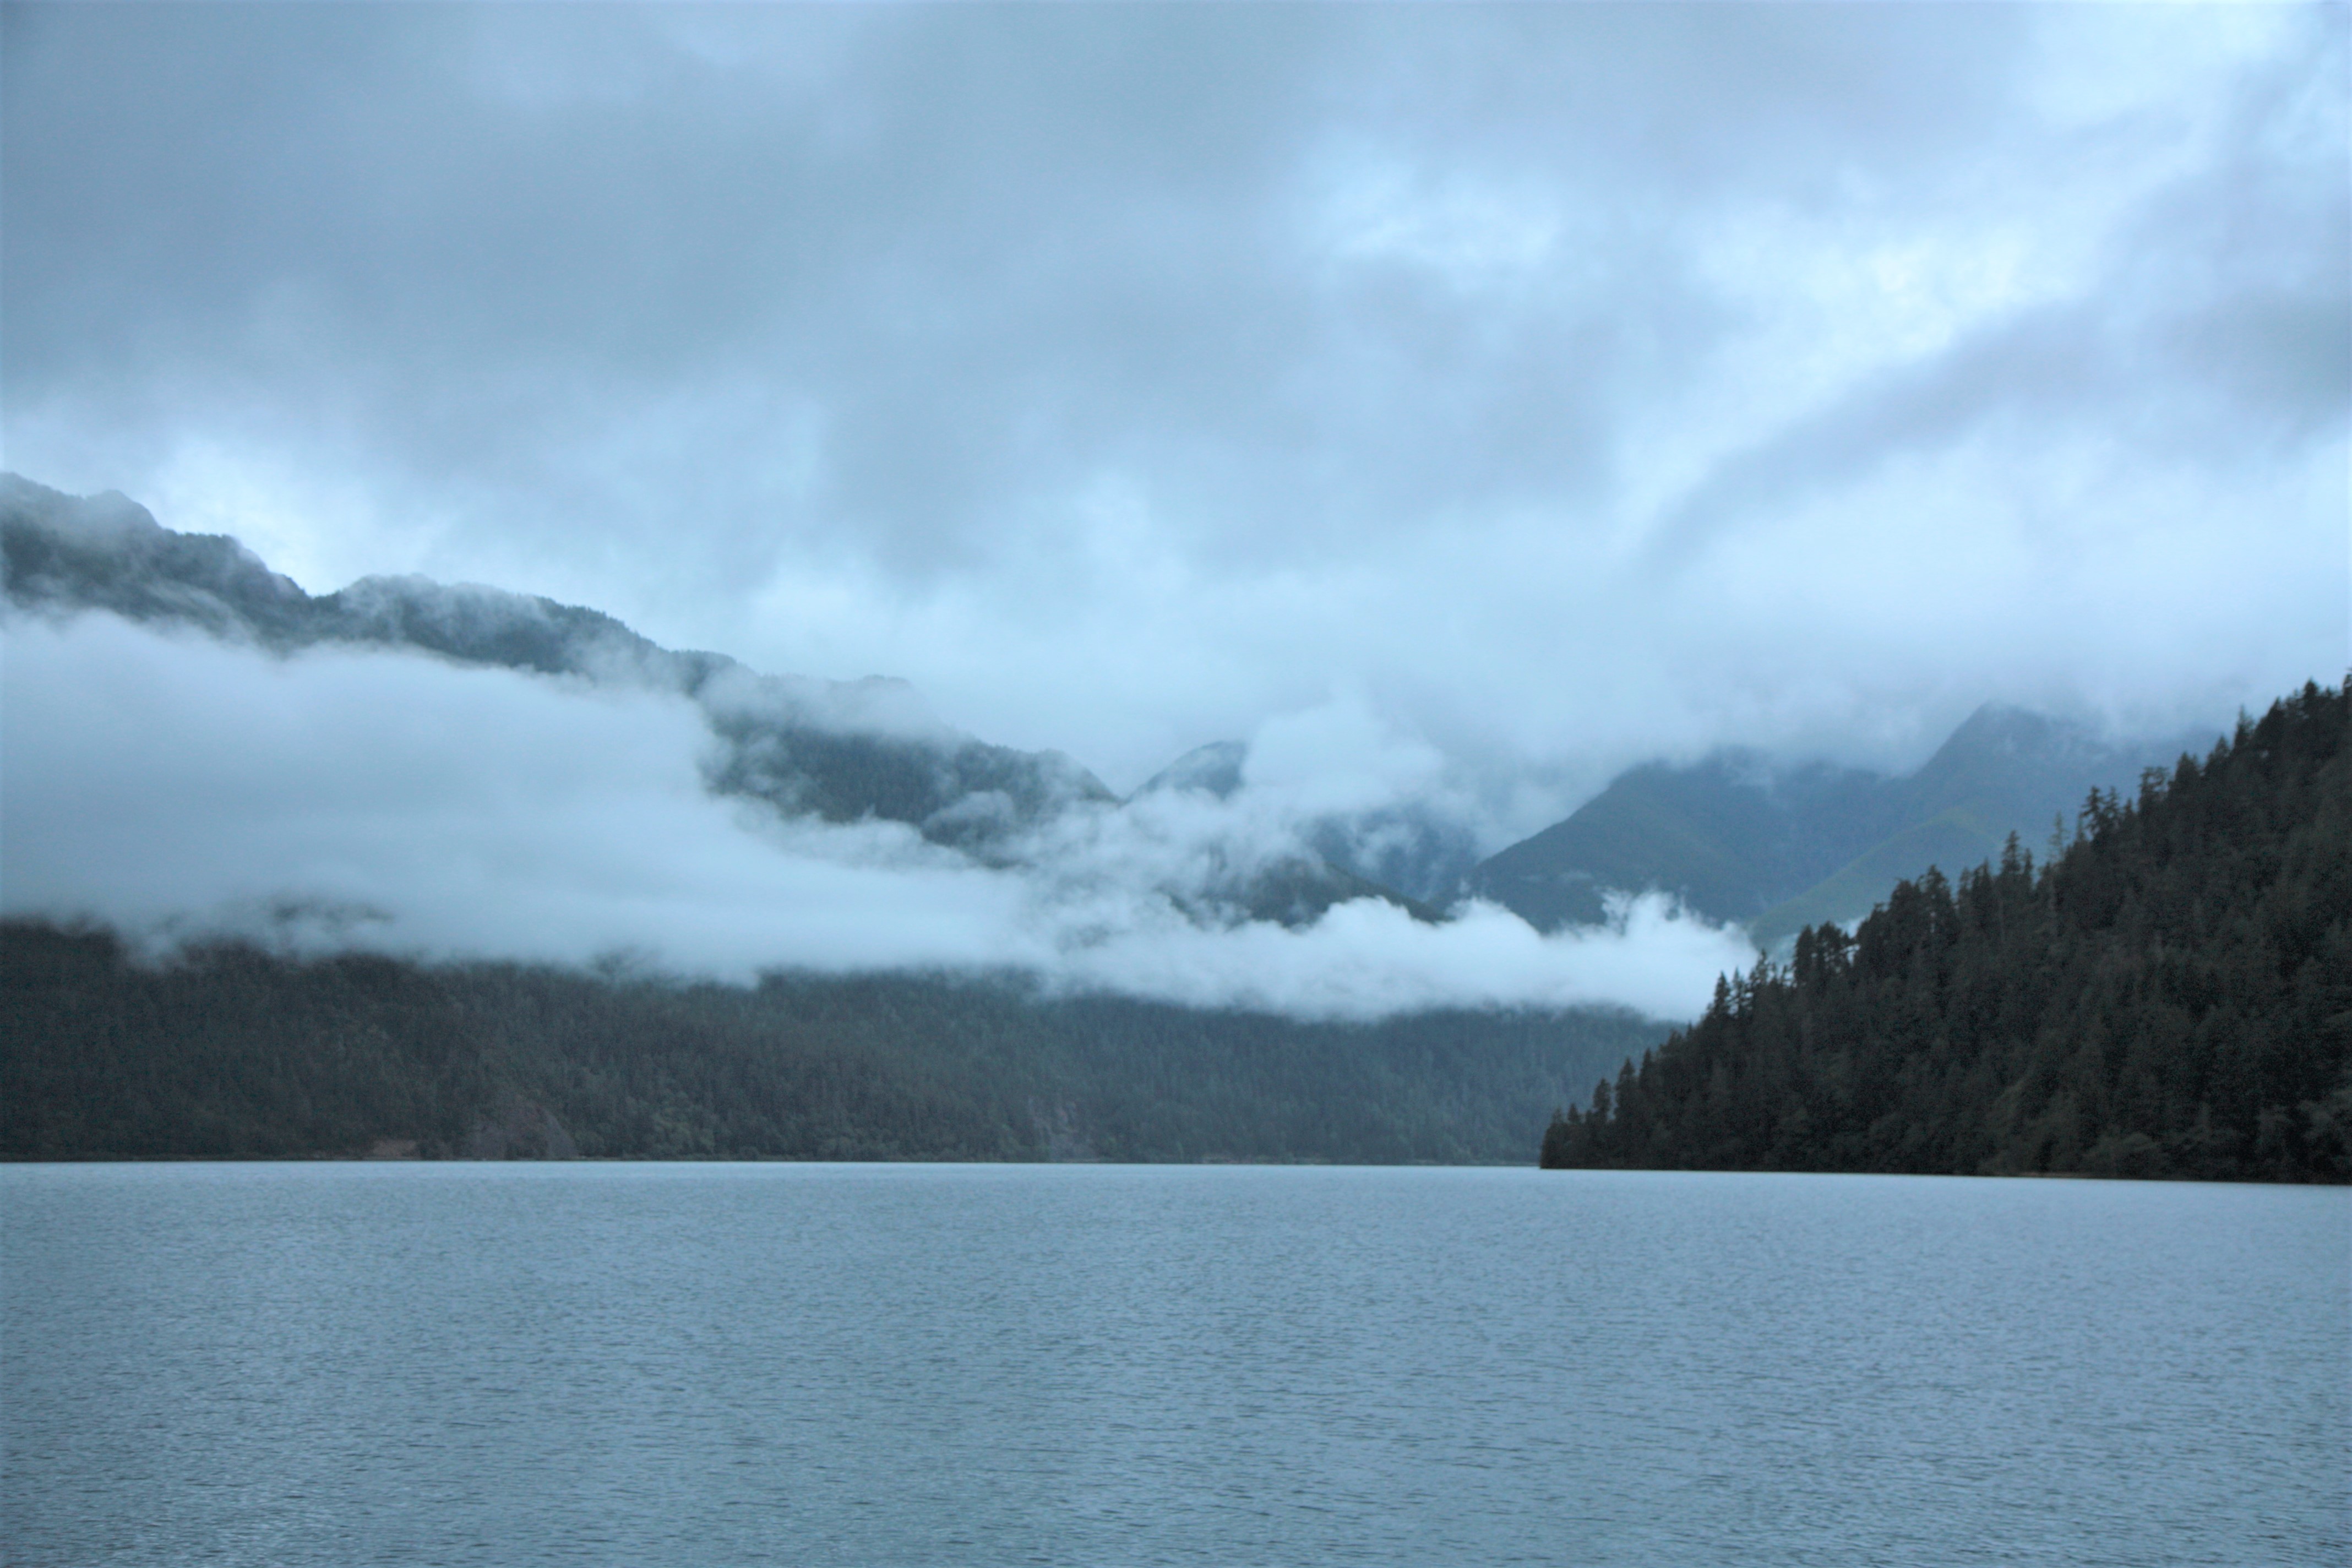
<point>2169,994</point>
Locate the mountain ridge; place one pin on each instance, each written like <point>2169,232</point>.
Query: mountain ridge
<point>1737,837</point>
<point>839,751</point>
<point>795,742</point>
<point>1773,850</point>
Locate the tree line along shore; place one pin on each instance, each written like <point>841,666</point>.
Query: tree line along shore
<point>2169,994</point>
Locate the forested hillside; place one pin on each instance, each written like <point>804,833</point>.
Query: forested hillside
<point>2172,996</point>
<point>229,1052</point>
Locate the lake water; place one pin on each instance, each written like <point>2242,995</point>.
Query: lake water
<point>873,1365</point>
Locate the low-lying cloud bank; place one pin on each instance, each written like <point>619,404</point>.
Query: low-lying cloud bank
<point>175,787</point>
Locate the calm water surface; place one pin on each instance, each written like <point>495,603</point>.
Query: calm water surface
<point>536,1364</point>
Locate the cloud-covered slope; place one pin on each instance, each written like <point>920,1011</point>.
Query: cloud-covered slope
<point>177,770</point>
<point>838,750</point>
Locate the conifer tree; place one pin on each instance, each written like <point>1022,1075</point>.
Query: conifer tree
<point>2169,994</point>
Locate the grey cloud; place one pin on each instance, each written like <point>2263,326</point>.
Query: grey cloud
<point>2219,326</point>
<point>988,252</point>
<point>1129,377</point>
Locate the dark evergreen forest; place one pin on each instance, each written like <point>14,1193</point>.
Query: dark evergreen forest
<point>2169,995</point>
<point>228,1051</point>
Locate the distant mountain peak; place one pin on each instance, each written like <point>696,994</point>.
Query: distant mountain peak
<point>1215,769</point>
<point>108,517</point>
<point>107,551</point>
<point>2008,728</point>
<point>1781,847</point>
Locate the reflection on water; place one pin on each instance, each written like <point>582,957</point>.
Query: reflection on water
<point>515,1365</point>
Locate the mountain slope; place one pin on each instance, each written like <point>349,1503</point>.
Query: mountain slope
<point>2171,996</point>
<point>841,751</point>
<point>2004,771</point>
<point>1737,840</point>
<point>1728,835</point>
<point>1404,853</point>
<point>1294,887</point>
<point>1214,770</point>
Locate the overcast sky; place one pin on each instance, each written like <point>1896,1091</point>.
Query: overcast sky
<point>1507,394</point>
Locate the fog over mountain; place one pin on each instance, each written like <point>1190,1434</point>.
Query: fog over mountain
<point>1449,408</point>
<point>191,746</point>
